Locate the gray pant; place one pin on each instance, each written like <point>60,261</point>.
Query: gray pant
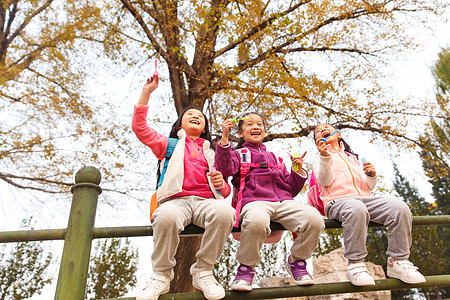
<point>355,214</point>
<point>172,216</point>
<point>304,220</point>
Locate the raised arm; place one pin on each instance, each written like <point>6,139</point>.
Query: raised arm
<point>147,135</point>
<point>150,85</point>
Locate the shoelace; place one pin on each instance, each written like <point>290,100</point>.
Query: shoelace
<point>209,280</point>
<point>298,268</point>
<point>152,282</point>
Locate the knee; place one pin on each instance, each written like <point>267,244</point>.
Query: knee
<point>167,217</point>
<point>315,220</point>
<point>401,209</point>
<point>256,225</point>
<point>223,215</point>
<point>357,213</point>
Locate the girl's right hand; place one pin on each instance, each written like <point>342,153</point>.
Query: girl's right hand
<point>151,84</point>
<point>226,129</point>
<point>322,147</point>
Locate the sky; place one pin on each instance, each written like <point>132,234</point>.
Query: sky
<point>412,77</point>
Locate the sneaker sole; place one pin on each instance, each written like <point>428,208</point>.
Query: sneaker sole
<point>365,284</point>
<point>399,277</point>
<point>241,288</point>
<point>153,298</point>
<point>209,296</point>
<point>304,282</point>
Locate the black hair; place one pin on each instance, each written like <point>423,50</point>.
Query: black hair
<point>341,140</point>
<point>206,134</point>
<point>241,122</point>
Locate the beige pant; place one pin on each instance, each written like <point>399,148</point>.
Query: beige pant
<point>304,220</point>
<point>172,216</point>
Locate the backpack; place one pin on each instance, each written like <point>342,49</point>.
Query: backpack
<point>313,194</point>
<point>236,202</point>
<point>172,142</point>
<point>315,189</point>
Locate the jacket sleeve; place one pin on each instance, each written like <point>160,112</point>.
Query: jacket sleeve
<point>371,181</point>
<point>323,170</point>
<point>227,161</point>
<point>226,190</point>
<point>147,135</point>
<point>296,180</point>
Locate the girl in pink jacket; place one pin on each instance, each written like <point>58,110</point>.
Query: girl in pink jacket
<point>346,186</point>
<point>192,191</point>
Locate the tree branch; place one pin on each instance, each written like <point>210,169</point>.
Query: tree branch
<point>137,16</point>
<point>264,24</point>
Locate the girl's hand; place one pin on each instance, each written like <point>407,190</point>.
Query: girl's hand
<point>369,169</point>
<point>216,179</point>
<point>299,161</point>
<point>322,147</point>
<point>151,84</point>
<point>226,129</point>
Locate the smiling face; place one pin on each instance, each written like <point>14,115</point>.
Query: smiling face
<point>324,131</point>
<point>193,122</point>
<point>252,129</point>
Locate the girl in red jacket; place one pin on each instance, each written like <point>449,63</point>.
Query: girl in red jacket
<point>191,192</point>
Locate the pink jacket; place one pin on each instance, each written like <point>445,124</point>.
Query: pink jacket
<point>188,165</point>
<point>340,175</point>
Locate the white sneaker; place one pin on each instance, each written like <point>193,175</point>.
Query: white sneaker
<point>205,282</point>
<point>359,275</point>
<point>404,270</point>
<point>156,286</point>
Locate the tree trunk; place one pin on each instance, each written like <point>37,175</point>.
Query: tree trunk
<point>185,257</point>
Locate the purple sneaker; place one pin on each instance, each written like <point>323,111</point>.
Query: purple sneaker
<point>297,269</point>
<point>244,279</point>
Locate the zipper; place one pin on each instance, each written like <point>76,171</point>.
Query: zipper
<point>193,152</point>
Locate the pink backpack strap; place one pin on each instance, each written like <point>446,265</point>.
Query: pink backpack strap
<point>313,194</point>
<point>246,158</point>
<point>246,164</point>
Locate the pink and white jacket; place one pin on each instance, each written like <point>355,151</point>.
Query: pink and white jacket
<point>193,155</point>
<point>340,175</point>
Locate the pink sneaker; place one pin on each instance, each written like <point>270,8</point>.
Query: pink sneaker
<point>297,269</point>
<point>244,279</point>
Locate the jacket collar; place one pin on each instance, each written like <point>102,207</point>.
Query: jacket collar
<point>256,147</point>
<point>183,135</point>
<point>333,150</point>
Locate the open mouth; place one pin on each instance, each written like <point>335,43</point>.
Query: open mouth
<point>194,121</point>
<point>325,135</point>
<point>255,134</point>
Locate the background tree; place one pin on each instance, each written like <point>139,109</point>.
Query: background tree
<point>435,159</point>
<point>230,57</point>
<point>427,252</point>
<point>48,126</point>
<point>112,269</point>
<point>23,272</point>
<point>330,239</point>
<point>235,56</point>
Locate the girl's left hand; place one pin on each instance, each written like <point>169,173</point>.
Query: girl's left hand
<point>369,169</point>
<point>216,178</point>
<point>298,160</point>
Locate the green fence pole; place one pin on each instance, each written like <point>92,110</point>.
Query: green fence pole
<point>78,239</point>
